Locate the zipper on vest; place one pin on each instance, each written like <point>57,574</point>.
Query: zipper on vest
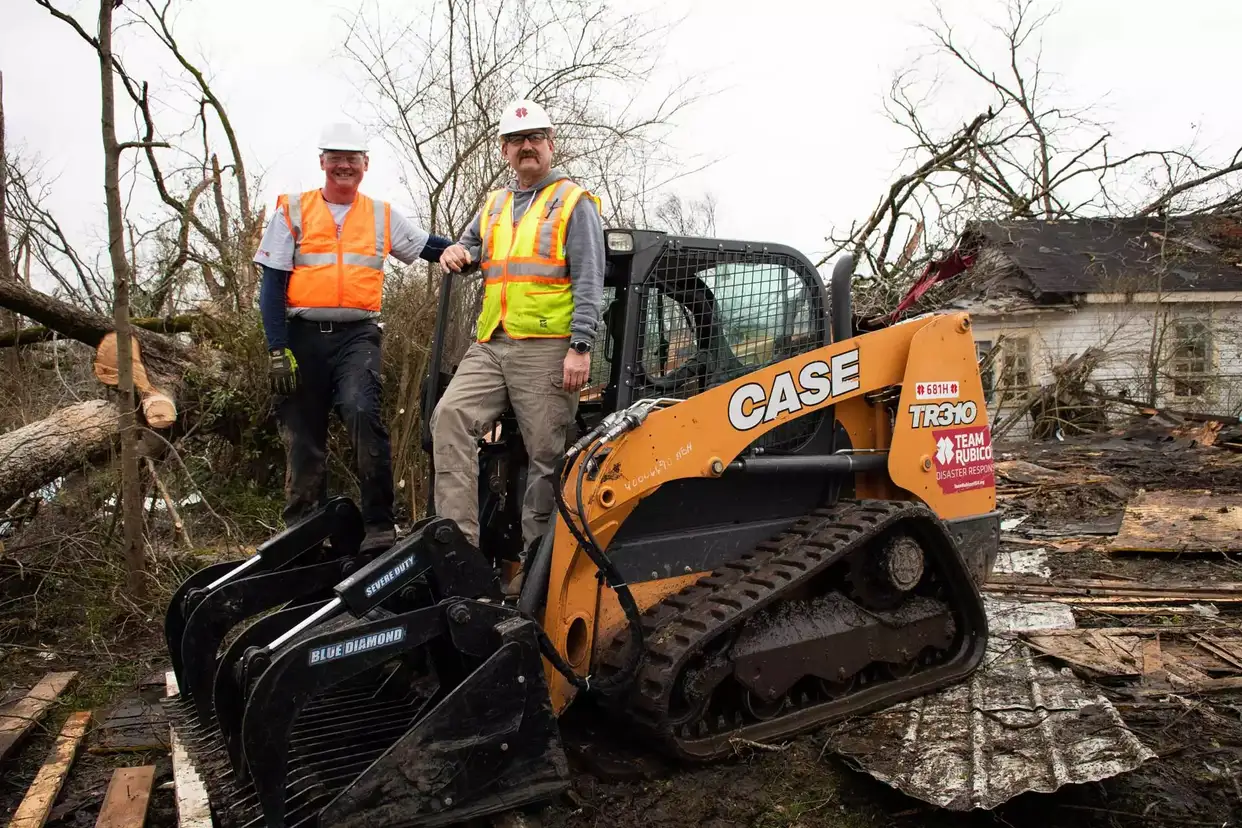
<point>340,259</point>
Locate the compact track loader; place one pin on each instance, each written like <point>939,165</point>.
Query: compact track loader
<point>766,521</point>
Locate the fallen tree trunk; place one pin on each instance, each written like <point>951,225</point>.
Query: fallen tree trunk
<point>35,335</point>
<point>166,360</point>
<point>35,454</point>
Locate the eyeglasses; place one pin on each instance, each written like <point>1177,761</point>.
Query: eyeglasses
<point>517,140</point>
<point>354,158</point>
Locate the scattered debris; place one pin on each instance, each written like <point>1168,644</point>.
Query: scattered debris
<point>1181,522</point>
<point>1017,725</point>
<point>1023,561</point>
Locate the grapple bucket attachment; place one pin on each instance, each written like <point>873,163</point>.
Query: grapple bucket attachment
<point>402,695</point>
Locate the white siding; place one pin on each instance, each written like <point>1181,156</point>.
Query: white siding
<point>1126,333</point>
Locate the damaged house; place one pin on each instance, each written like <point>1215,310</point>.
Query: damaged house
<point>1089,315</point>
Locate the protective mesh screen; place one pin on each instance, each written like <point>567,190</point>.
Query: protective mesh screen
<point>710,316</point>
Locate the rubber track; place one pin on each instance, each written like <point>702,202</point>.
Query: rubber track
<point>684,624</point>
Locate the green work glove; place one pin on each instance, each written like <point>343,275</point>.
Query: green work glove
<point>283,372</point>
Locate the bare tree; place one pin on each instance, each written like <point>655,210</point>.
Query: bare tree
<point>694,217</point>
<point>436,83</point>
<point>8,319</point>
<point>131,491</point>
<point>1029,155</point>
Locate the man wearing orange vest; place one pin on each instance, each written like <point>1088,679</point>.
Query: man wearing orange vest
<point>540,246</point>
<point>322,258</point>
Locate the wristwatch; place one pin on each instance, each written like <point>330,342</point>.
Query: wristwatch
<point>581,346</point>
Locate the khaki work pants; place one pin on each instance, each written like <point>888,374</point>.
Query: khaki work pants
<point>528,374</point>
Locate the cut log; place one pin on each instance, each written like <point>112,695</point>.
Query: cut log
<point>35,454</point>
<point>166,360</point>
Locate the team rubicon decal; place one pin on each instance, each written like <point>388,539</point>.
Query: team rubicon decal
<point>964,458</point>
<point>752,404</point>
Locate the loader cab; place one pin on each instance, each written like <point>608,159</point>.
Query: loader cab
<point>679,315</point>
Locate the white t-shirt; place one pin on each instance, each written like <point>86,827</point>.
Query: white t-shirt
<point>276,248</point>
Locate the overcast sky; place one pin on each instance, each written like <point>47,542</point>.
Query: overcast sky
<point>797,122</point>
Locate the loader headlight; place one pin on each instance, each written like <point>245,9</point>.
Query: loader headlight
<point>619,241</point>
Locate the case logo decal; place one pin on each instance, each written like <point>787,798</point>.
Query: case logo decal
<point>752,404</point>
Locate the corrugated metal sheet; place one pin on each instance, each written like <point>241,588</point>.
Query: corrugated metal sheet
<point>1018,725</point>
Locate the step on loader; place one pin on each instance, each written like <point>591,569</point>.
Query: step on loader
<point>767,520</point>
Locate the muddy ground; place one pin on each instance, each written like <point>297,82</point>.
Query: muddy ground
<point>1196,779</point>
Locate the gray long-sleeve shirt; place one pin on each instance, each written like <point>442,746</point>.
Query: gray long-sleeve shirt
<point>584,253</point>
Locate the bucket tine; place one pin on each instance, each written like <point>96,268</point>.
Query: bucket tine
<point>305,669</point>
<point>231,604</point>
<point>178,613</point>
<point>228,693</point>
<point>490,744</point>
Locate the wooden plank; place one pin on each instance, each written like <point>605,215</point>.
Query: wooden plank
<point>1183,673</point>
<point>129,793</point>
<point>1181,522</point>
<point>193,807</point>
<point>1076,650</point>
<point>1151,630</point>
<point>17,720</point>
<point>1153,663</point>
<point>1214,647</point>
<point>37,804</point>
<point>1015,582</point>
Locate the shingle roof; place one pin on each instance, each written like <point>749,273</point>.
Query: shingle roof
<point>1118,255</point>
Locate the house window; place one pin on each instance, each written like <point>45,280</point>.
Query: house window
<point>1015,368</point>
<point>1192,345</point>
<point>983,348</point>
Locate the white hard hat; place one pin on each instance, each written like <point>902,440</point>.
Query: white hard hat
<point>343,136</point>
<point>521,115</point>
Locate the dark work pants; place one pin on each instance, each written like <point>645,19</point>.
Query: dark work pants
<point>337,369</point>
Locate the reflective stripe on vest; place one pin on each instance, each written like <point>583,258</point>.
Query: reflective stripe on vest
<point>331,271</point>
<point>527,283</point>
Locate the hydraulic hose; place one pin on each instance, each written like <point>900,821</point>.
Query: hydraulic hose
<point>587,540</point>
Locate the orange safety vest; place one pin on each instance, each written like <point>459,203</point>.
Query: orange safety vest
<point>331,271</point>
<point>526,287</point>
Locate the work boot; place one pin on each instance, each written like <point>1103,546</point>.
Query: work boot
<point>511,573</point>
<point>378,538</point>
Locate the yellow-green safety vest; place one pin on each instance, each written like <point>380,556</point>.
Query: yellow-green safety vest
<point>526,287</point>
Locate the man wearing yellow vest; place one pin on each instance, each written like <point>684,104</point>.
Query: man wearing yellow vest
<point>540,246</point>
<point>322,258</point>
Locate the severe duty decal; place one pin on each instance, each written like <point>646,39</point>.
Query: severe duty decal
<point>361,644</point>
<point>964,458</point>
<point>389,576</point>
<point>939,415</point>
<point>752,404</point>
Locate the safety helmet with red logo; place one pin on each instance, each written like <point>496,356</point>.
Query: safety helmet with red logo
<point>523,115</point>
